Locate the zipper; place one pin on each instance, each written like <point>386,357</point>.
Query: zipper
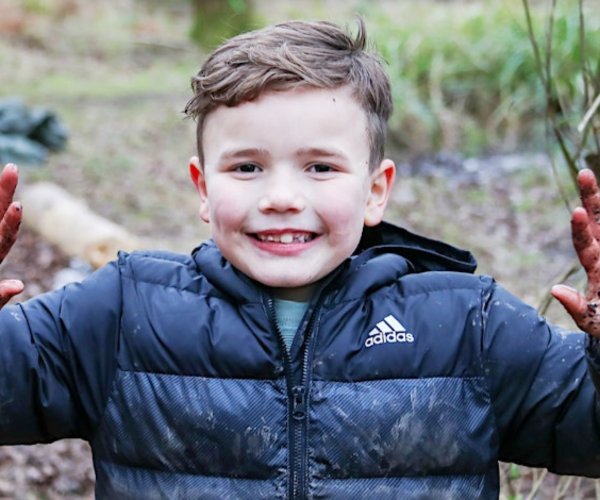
<point>299,403</point>
<point>302,391</point>
<point>291,389</point>
<point>298,415</point>
<point>297,395</point>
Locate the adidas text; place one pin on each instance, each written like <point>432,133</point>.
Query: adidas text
<point>388,331</point>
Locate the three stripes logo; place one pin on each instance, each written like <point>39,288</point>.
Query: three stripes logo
<point>388,331</point>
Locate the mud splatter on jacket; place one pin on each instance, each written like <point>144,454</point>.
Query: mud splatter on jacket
<point>410,378</point>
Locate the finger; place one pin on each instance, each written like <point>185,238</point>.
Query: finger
<point>590,199</point>
<point>8,289</point>
<point>585,314</point>
<point>8,184</point>
<point>586,245</point>
<point>9,228</point>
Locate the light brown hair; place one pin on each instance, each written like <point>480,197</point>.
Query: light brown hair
<point>295,54</point>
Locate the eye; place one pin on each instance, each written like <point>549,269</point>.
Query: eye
<point>320,168</point>
<point>247,168</point>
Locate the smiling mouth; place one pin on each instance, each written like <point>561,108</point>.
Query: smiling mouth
<point>285,238</point>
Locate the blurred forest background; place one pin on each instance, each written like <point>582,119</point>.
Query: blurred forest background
<point>495,109</point>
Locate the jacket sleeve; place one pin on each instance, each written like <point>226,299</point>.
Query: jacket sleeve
<point>544,399</point>
<point>58,359</point>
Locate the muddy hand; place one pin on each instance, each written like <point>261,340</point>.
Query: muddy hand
<point>585,231</point>
<point>11,213</point>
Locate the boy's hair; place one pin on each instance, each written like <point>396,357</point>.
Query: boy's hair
<point>288,56</point>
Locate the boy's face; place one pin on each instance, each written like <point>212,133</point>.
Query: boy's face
<point>286,185</point>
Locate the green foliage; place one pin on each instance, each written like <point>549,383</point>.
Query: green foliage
<point>216,20</point>
<point>572,100</point>
<point>571,93</point>
<point>465,76</point>
<point>37,6</point>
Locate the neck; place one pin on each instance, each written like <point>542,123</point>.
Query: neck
<point>295,294</point>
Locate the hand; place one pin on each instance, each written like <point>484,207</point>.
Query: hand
<point>11,213</point>
<point>585,231</point>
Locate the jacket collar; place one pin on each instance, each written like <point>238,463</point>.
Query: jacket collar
<point>385,253</point>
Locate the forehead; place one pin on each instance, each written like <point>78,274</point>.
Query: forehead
<point>279,120</point>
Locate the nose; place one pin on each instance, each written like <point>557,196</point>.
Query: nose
<point>282,193</point>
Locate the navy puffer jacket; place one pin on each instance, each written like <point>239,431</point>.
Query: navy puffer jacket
<point>409,378</point>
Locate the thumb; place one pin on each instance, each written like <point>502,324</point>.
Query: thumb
<point>585,314</point>
<point>8,289</point>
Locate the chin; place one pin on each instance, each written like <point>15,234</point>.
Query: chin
<point>285,285</point>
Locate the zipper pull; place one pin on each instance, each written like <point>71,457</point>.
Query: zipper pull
<point>299,404</point>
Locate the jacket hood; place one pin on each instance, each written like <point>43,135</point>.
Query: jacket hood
<point>424,254</point>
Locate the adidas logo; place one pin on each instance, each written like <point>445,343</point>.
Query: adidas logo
<point>388,331</point>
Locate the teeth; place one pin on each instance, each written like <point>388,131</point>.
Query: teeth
<point>286,238</point>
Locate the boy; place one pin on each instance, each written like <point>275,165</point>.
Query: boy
<point>309,350</point>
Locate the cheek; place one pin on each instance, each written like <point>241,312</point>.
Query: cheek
<point>226,211</point>
<point>345,213</point>
<point>224,216</point>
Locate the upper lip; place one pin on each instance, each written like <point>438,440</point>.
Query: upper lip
<point>276,234</point>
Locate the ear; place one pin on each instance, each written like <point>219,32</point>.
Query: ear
<point>381,186</point>
<point>197,175</point>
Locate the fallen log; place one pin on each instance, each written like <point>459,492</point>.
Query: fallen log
<point>69,224</point>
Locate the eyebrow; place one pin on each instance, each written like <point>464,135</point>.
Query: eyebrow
<point>321,152</point>
<point>244,152</point>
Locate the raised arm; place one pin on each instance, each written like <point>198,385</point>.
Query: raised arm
<point>585,230</point>
<point>11,213</point>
